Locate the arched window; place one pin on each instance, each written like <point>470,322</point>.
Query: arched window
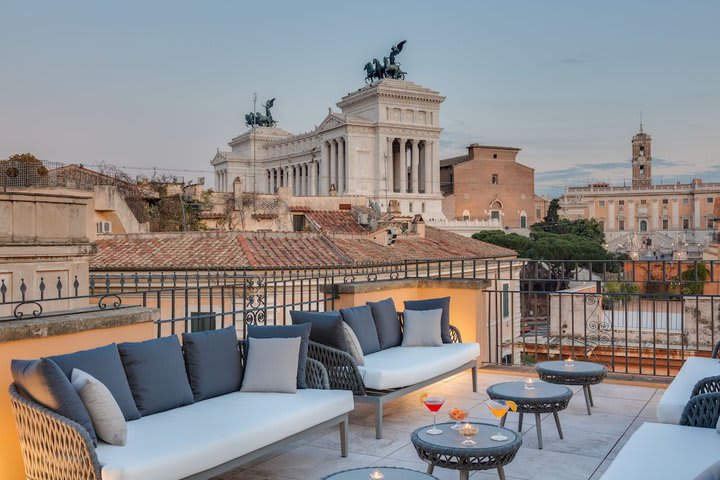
<point>466,214</point>
<point>643,226</point>
<point>523,219</point>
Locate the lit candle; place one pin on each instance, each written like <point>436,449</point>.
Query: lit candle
<point>530,384</point>
<point>569,362</point>
<point>376,475</point>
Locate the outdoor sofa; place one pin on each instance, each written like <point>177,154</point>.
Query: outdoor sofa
<point>200,439</point>
<point>394,370</point>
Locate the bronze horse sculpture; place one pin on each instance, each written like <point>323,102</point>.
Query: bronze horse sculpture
<point>388,69</point>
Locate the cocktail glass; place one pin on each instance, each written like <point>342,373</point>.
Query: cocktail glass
<point>499,408</point>
<point>434,403</point>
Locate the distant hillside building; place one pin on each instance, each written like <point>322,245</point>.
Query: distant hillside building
<point>648,219</point>
<point>488,184</point>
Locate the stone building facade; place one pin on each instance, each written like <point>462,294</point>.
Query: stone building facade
<point>648,219</point>
<point>383,145</point>
<point>488,184</point>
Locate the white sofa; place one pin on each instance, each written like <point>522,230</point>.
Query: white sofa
<point>673,401</point>
<point>666,452</point>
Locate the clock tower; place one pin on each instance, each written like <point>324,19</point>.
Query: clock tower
<point>641,160</point>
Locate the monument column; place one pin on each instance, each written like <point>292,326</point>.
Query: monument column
<point>415,162</point>
<point>427,165</point>
<point>324,169</point>
<point>435,166</point>
<point>306,179</point>
<point>313,177</point>
<point>333,164</point>
<point>291,180</point>
<point>341,165</point>
<point>402,171</point>
<point>389,165</point>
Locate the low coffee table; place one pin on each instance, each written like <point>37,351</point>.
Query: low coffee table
<point>543,398</point>
<point>389,473</point>
<point>580,373</point>
<point>447,451</point>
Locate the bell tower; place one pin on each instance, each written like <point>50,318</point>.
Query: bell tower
<point>641,160</point>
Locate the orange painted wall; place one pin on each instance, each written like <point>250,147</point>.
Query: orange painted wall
<point>11,464</point>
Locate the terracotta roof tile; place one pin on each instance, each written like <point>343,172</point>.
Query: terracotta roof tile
<point>336,222</point>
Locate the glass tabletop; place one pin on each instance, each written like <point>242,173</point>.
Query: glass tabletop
<point>577,367</point>
<point>517,390</point>
<point>452,439</point>
<point>389,473</point>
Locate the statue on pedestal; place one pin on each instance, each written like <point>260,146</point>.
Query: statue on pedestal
<point>257,119</point>
<point>388,69</point>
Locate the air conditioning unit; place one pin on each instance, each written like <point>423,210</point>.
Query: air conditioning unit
<point>104,227</point>
<point>391,236</point>
<point>363,218</point>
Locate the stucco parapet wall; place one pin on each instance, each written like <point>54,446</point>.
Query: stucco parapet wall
<point>364,287</point>
<point>39,251</point>
<point>82,321</point>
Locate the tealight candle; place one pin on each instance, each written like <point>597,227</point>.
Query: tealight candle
<point>377,475</point>
<point>569,362</point>
<point>530,384</point>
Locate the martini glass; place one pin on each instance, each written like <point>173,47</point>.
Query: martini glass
<point>434,403</point>
<point>499,408</point>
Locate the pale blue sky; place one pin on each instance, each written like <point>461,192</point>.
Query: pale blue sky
<point>142,84</point>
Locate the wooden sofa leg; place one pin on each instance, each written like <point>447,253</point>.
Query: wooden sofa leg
<point>378,419</point>
<point>474,378</point>
<point>344,426</point>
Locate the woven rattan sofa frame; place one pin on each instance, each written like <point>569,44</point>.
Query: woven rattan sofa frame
<point>57,448</point>
<point>344,374</point>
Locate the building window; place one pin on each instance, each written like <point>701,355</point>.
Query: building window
<point>665,201</point>
<point>410,207</point>
<point>601,203</point>
<point>298,223</point>
<point>643,202</point>
<point>523,221</point>
<point>685,201</point>
<point>422,207</point>
<point>494,179</point>
<point>495,215</point>
<point>621,225</point>
<point>602,225</point>
<point>665,224</point>
<point>621,202</point>
<point>710,199</point>
<point>686,224</point>
<point>643,226</point>
<point>506,300</point>
<point>494,155</point>
<point>710,224</point>
<point>466,214</point>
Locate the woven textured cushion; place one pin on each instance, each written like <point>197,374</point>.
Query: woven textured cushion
<point>672,403</point>
<point>387,323</point>
<point>326,327</point>
<point>44,382</point>
<point>155,370</point>
<point>105,413</point>
<point>213,363</point>
<point>104,364</point>
<point>422,328</point>
<point>433,304</point>
<point>354,345</point>
<point>288,331</point>
<point>361,321</point>
<point>271,365</point>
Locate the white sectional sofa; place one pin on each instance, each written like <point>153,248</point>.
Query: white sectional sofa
<point>677,395</point>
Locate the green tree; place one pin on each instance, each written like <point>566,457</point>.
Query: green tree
<point>552,215</point>
<point>586,228</point>
<point>513,241</point>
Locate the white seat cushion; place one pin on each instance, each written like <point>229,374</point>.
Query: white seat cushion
<point>660,451</point>
<point>402,366</point>
<point>673,401</point>
<point>184,441</point>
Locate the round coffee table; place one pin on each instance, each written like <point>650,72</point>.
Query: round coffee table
<point>543,398</point>
<point>389,473</point>
<point>580,373</point>
<point>447,451</point>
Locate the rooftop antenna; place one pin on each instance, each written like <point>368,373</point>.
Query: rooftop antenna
<point>641,126</point>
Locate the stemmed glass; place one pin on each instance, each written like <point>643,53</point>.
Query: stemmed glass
<point>433,403</point>
<point>499,408</point>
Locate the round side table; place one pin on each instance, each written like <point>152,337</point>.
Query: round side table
<point>579,373</point>
<point>447,451</point>
<point>542,398</point>
<point>389,473</point>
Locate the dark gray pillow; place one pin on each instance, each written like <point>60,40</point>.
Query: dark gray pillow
<point>434,304</point>
<point>105,365</point>
<point>387,323</point>
<point>287,331</point>
<point>326,327</point>
<point>155,370</point>
<point>44,382</point>
<point>361,321</point>
<point>212,360</point>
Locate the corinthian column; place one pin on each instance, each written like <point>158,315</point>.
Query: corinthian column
<point>333,164</point>
<point>341,166</point>
<point>403,166</point>
<point>324,169</point>
<point>313,178</point>
<point>415,161</point>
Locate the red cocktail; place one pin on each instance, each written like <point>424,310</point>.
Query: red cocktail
<point>433,403</point>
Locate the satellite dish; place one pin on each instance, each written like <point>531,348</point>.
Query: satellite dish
<point>375,207</point>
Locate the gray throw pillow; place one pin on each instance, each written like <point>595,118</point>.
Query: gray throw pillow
<point>361,321</point>
<point>104,364</point>
<point>422,328</point>
<point>44,382</point>
<point>155,370</point>
<point>271,365</point>
<point>354,347</point>
<point>212,360</point>
<point>432,304</point>
<point>287,331</point>
<point>326,327</point>
<point>387,323</point>
<point>105,413</point>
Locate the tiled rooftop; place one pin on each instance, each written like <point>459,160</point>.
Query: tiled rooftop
<point>590,444</point>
